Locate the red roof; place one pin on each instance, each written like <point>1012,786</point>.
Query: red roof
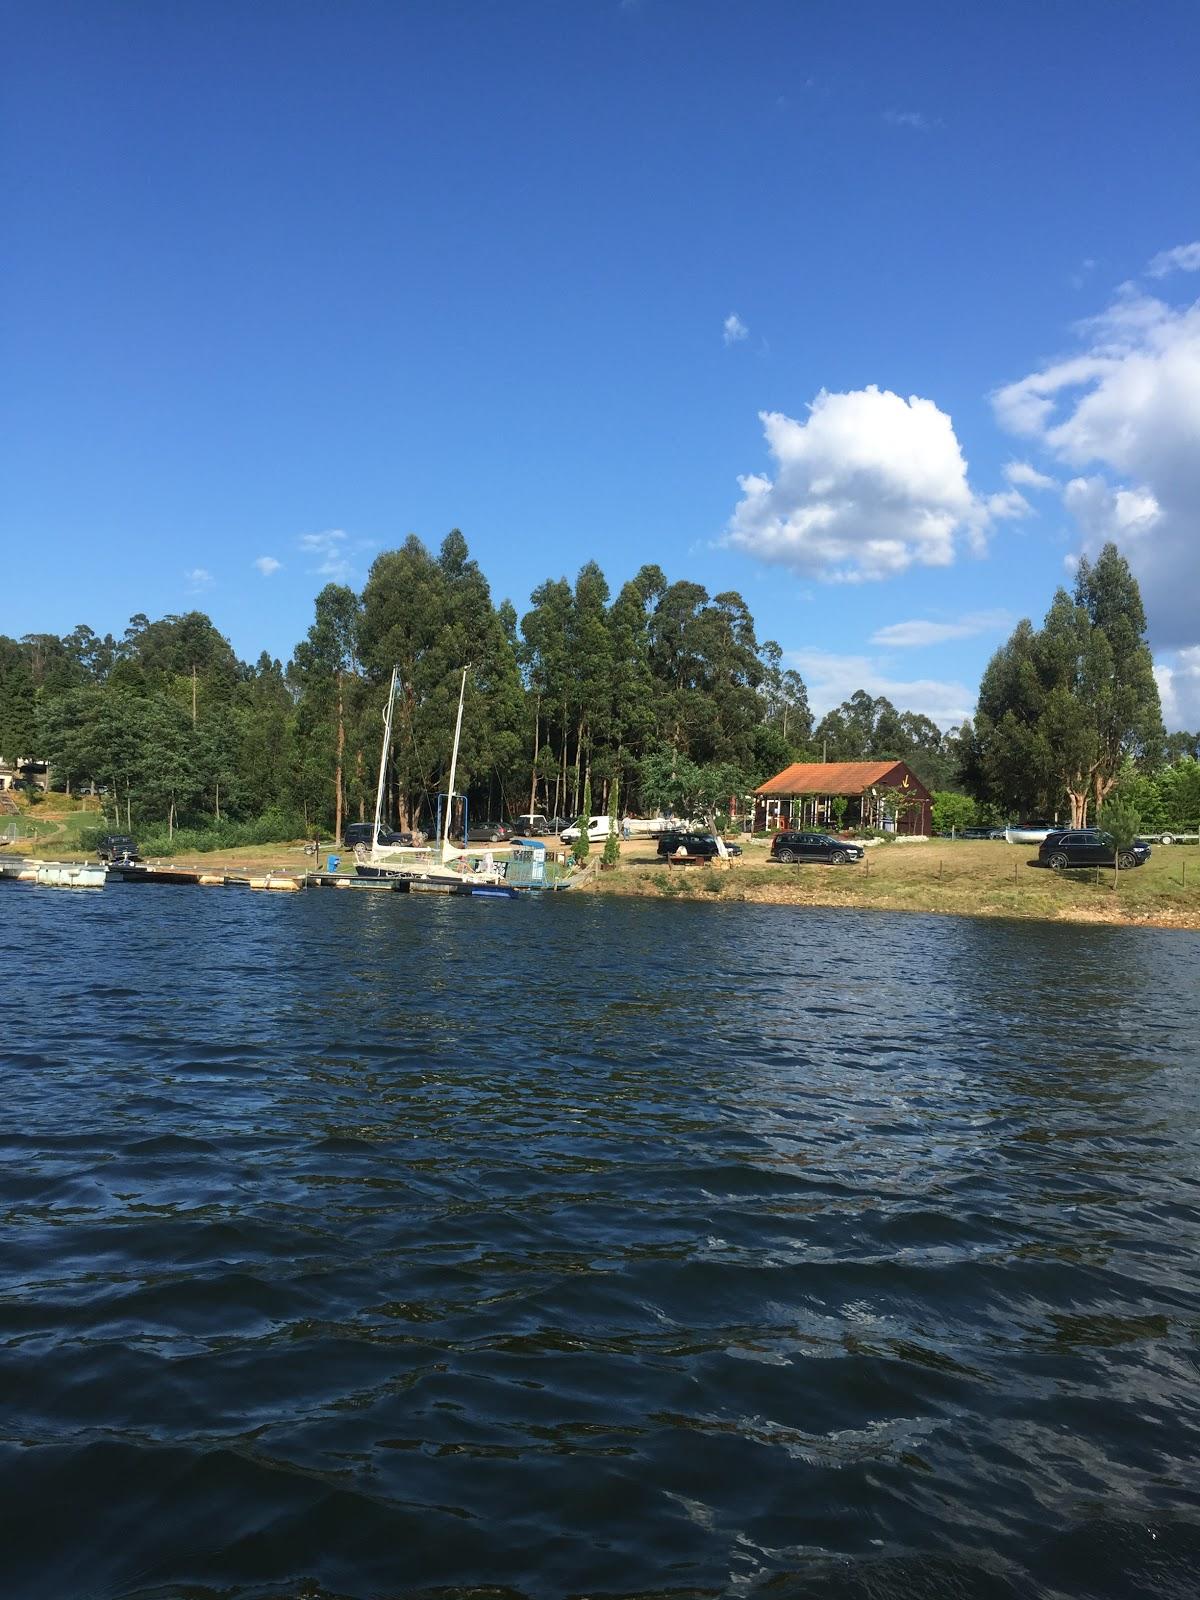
<point>833,777</point>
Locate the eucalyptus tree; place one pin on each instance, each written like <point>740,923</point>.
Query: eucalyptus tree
<point>1061,709</point>
<point>1121,692</point>
<point>785,696</point>
<point>324,660</point>
<point>545,661</point>
<point>18,701</point>
<point>631,678</point>
<point>589,645</point>
<point>430,617</point>
<point>1006,757</point>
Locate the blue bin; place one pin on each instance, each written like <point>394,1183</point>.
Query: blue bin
<point>331,863</point>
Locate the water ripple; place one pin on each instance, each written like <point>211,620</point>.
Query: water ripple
<point>357,1246</point>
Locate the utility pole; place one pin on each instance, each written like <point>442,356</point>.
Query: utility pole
<point>193,694</point>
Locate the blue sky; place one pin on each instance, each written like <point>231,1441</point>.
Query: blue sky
<point>286,282</point>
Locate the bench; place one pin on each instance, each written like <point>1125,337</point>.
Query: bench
<point>689,861</point>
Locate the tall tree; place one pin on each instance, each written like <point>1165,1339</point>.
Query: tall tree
<point>325,659</point>
<point>1060,710</point>
<point>1121,690</point>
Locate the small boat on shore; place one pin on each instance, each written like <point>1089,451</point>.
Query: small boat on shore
<point>1030,832</point>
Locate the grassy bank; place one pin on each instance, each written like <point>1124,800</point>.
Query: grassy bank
<point>962,877</point>
<point>965,877</point>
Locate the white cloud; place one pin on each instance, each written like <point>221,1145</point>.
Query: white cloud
<point>1009,503</point>
<point>1078,279</point>
<point>1105,513</point>
<point>1021,474</point>
<point>868,486</point>
<point>734,328</point>
<point>329,550</point>
<point>903,635</point>
<point>832,678</point>
<point>1128,409</point>
<point>1184,258</point>
<point>198,578</point>
<point>267,565</point>
<point>1179,688</point>
<point>911,119</point>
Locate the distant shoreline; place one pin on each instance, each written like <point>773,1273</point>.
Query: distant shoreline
<point>983,879</point>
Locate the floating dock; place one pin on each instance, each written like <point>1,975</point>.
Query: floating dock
<point>93,875</point>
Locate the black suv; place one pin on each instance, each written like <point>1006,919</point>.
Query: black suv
<point>360,833</point>
<point>1089,847</point>
<point>116,847</point>
<point>787,847</point>
<point>694,844</point>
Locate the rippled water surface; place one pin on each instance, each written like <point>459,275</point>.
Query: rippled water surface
<point>366,1246</point>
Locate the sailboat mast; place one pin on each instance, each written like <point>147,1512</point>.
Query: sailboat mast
<point>383,755</point>
<point>454,763</point>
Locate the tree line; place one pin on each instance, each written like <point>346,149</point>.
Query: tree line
<point>1068,718</point>
<point>585,694</point>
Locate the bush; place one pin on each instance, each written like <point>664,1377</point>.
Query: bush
<point>273,827</point>
<point>1121,820</point>
<point>951,811</point>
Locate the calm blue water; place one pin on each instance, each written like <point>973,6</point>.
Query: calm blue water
<point>364,1246</point>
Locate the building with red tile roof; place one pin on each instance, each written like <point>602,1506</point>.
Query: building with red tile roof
<point>878,794</point>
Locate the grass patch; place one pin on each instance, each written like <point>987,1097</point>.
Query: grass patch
<point>966,877</point>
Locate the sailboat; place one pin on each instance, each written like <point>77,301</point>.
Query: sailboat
<point>458,868</point>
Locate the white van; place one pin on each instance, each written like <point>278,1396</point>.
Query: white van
<point>598,829</point>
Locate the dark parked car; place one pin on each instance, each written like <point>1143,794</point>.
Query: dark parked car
<point>360,833</point>
<point>1088,847</point>
<point>117,847</point>
<point>788,847</point>
<point>489,833</point>
<point>693,844</point>
<point>533,825</point>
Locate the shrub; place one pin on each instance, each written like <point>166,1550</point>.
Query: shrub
<point>273,827</point>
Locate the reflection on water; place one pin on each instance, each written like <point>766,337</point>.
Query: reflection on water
<point>358,1245</point>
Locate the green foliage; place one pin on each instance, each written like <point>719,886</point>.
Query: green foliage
<point>674,784</point>
<point>1122,820</point>
<point>661,691</point>
<point>951,810</point>
<point>272,827</point>
<point>1061,710</point>
<point>612,845</point>
<point>582,847</point>
<point>872,729</point>
<point>1179,787</point>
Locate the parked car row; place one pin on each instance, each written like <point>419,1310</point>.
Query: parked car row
<point>534,825</point>
<point>529,825</point>
<point>355,833</point>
